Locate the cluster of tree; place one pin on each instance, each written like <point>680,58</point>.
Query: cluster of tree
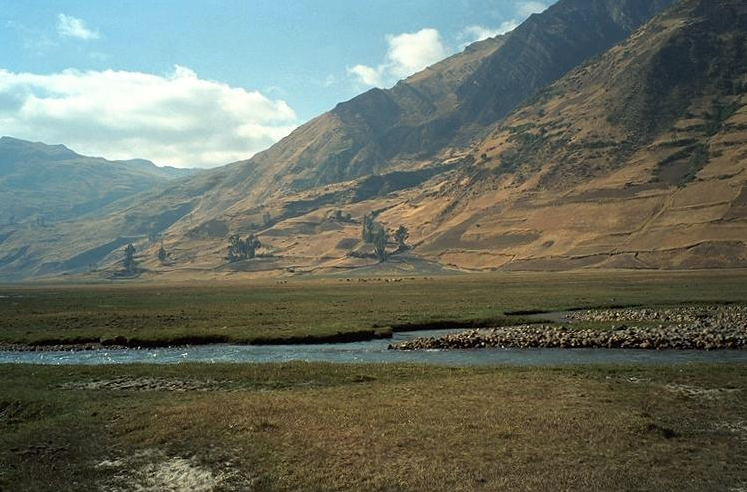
<point>129,264</point>
<point>242,249</point>
<point>400,236</point>
<point>340,216</point>
<point>374,233</point>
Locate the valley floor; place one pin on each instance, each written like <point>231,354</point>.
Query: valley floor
<point>302,426</point>
<point>373,427</point>
<point>328,309</point>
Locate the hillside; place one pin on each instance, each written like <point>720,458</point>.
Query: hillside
<point>444,106</point>
<point>635,160</point>
<point>48,183</point>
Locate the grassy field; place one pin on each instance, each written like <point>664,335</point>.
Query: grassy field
<point>335,427</point>
<point>300,426</point>
<point>265,312</point>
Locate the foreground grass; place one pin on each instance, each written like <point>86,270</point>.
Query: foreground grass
<point>266,311</point>
<point>336,427</point>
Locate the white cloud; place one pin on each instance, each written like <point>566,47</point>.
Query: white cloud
<point>524,8</point>
<point>407,54</point>
<point>473,34</point>
<point>529,7</point>
<point>367,75</point>
<point>412,52</point>
<point>72,27</point>
<point>178,119</point>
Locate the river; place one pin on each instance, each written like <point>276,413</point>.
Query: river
<point>374,351</point>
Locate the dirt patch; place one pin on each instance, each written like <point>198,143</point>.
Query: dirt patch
<point>154,471</point>
<point>150,384</point>
<point>737,428</point>
<point>347,243</point>
<point>608,194</point>
<point>698,392</point>
<point>212,229</point>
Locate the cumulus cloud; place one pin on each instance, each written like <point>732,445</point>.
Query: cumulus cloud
<point>529,7</point>
<point>407,54</point>
<point>367,75</point>
<point>412,52</point>
<point>473,34</point>
<point>72,27</point>
<point>177,119</point>
<point>524,8</point>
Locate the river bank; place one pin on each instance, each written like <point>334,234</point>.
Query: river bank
<point>721,327</point>
<point>123,343</point>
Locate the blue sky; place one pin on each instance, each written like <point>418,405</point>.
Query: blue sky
<point>212,81</point>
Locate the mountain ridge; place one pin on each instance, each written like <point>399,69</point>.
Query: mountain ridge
<point>52,182</point>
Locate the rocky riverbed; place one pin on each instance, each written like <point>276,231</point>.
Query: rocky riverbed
<point>682,328</point>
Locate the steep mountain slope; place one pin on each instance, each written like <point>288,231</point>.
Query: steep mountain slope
<point>637,159</point>
<point>51,182</point>
<point>400,152</point>
<point>446,104</point>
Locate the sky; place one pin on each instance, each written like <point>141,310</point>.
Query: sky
<point>203,83</point>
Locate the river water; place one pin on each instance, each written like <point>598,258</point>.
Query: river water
<point>372,352</point>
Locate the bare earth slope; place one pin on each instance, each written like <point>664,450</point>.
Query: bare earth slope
<point>634,160</point>
<point>637,159</point>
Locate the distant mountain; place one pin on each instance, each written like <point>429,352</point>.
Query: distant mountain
<point>48,183</point>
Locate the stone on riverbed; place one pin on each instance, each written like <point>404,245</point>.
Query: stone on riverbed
<point>683,328</point>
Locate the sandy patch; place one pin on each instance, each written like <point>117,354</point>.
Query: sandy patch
<point>699,393</point>
<point>151,471</point>
<point>738,428</point>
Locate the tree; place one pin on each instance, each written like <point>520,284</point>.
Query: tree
<point>162,254</point>
<point>380,241</point>
<point>267,219</point>
<point>251,245</point>
<point>242,249</point>
<point>374,233</point>
<point>235,248</point>
<point>129,259</point>
<point>401,236</point>
<point>368,228</point>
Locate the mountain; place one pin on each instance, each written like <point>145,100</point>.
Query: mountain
<point>51,182</point>
<point>636,159</point>
<point>444,106</point>
<point>633,158</point>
